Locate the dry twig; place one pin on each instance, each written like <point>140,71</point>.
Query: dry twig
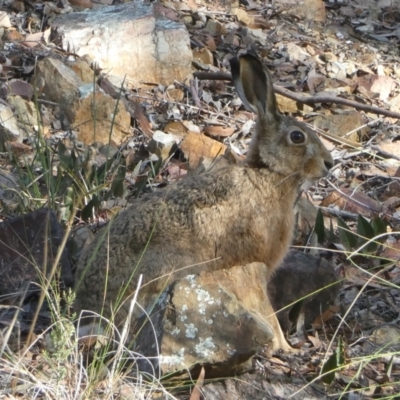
<point>309,100</point>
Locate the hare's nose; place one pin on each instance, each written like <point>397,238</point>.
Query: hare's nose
<point>328,164</point>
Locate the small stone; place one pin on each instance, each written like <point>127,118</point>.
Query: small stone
<point>386,335</point>
<point>187,20</point>
<point>163,144</point>
<point>9,130</point>
<point>312,10</point>
<point>18,87</point>
<point>196,146</point>
<point>342,124</point>
<point>83,70</point>
<point>214,28</point>
<point>204,56</point>
<point>26,114</point>
<point>8,187</point>
<point>243,16</point>
<point>4,20</point>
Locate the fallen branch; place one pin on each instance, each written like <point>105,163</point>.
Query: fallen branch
<point>309,100</point>
<point>194,90</point>
<point>213,76</point>
<point>339,213</point>
<point>384,153</point>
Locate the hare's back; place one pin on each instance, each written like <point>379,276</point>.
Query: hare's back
<point>208,222</point>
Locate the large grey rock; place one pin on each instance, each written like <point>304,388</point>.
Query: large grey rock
<point>130,40</point>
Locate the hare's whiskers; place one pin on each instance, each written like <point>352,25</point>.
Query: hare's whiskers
<point>286,177</point>
<point>290,186</point>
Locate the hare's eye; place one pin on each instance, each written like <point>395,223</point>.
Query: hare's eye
<point>297,137</point>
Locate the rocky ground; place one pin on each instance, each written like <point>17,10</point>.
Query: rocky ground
<point>101,106</point>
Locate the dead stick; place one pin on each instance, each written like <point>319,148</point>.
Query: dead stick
<point>213,76</point>
<point>194,90</point>
<point>339,213</point>
<point>384,153</point>
<point>310,100</point>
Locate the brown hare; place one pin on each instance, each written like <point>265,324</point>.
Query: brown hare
<point>230,216</point>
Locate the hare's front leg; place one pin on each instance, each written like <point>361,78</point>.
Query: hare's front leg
<point>279,341</point>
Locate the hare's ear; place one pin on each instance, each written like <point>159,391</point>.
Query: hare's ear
<point>254,85</point>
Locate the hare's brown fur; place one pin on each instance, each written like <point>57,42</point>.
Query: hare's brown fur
<point>217,220</point>
<point>231,216</point>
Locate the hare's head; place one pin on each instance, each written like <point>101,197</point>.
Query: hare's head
<point>280,143</point>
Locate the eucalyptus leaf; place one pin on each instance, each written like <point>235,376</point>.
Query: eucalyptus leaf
<point>364,229</point>
<point>366,232</point>
<point>117,186</point>
<point>346,236</point>
<point>378,225</point>
<point>333,364</point>
<point>319,227</point>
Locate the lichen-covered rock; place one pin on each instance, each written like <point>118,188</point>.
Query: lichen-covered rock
<point>217,319</point>
<point>221,319</point>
